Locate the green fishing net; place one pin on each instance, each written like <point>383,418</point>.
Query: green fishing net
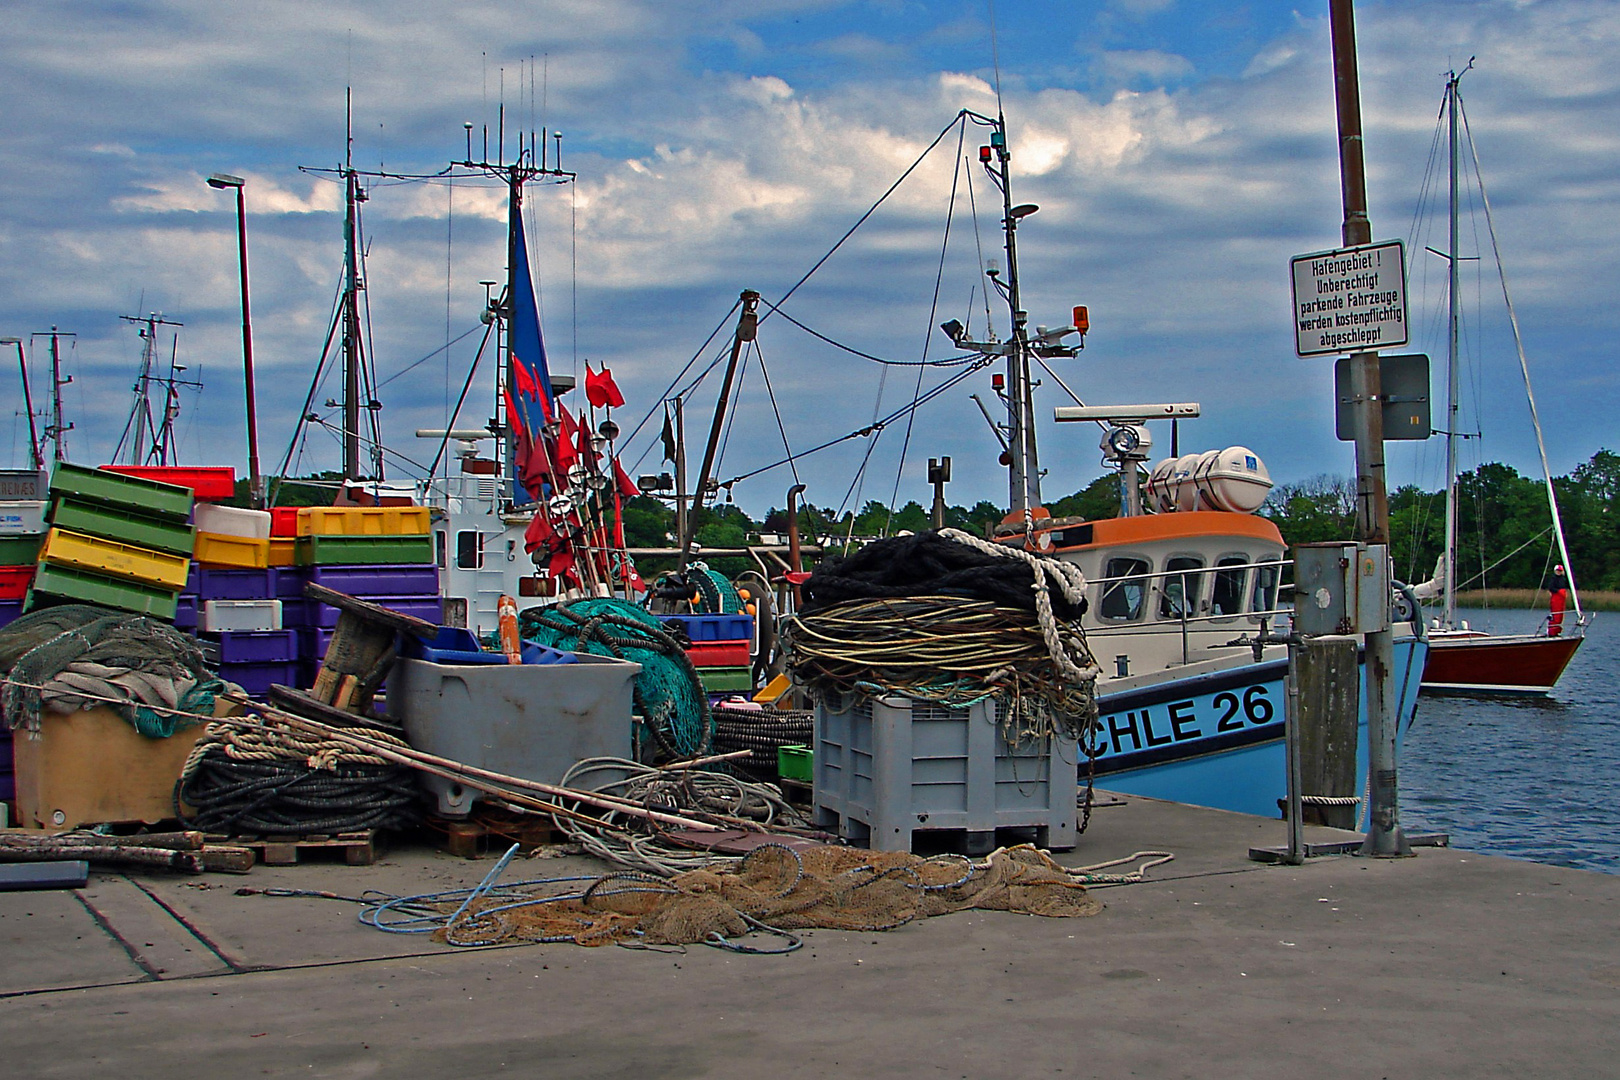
<point>668,695</point>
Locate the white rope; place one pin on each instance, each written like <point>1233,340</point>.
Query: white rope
<point>1067,577</point>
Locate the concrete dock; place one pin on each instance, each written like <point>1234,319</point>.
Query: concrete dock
<point>1447,964</point>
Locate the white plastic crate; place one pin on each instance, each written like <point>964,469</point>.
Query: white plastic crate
<point>233,521</point>
<point>889,768</point>
<point>22,517</point>
<point>217,615</point>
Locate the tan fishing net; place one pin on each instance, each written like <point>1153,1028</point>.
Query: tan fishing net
<point>778,888</point>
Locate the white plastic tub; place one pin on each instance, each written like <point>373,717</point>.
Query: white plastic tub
<point>233,521</point>
<point>218,615</point>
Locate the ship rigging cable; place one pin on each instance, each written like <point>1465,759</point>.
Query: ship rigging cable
<point>928,327</point>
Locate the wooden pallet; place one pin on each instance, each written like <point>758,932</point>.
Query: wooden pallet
<point>481,836</point>
<point>356,848</point>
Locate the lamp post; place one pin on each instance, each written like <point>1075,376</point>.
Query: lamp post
<point>37,456</point>
<point>222,181</point>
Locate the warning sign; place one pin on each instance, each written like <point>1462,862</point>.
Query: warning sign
<point>1350,300</point>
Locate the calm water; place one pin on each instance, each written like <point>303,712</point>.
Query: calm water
<point>1535,780</point>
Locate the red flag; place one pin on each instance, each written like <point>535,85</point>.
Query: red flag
<point>600,388</point>
<point>524,378</point>
<point>529,386</point>
<point>565,454</point>
<point>587,450</point>
<point>627,486</point>
<point>539,534</point>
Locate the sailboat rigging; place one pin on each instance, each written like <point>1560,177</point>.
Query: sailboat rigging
<point>1461,658</point>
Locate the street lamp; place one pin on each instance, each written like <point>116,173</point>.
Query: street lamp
<point>221,181</point>
<point>28,403</point>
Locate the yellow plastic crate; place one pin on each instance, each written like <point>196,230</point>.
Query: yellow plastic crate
<point>239,551</point>
<point>64,547</point>
<point>283,550</point>
<point>364,521</point>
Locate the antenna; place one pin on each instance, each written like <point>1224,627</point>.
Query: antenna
<point>995,55</point>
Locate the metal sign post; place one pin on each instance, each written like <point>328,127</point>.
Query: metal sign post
<point>1384,836</point>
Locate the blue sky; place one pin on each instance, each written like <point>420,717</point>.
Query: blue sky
<point>1181,152</point>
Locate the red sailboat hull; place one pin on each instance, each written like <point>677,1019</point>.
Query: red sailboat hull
<point>1496,664</point>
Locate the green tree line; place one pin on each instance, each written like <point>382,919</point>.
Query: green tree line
<point>1504,528</point>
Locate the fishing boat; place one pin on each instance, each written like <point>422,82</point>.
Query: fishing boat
<point>1183,585</point>
<point>1463,659</point>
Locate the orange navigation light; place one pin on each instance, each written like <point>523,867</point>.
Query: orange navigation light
<point>1082,318</point>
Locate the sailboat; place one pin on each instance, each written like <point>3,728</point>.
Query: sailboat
<point>1463,659</point>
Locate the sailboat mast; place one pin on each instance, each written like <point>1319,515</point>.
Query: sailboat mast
<point>351,302</point>
<point>1449,578</point>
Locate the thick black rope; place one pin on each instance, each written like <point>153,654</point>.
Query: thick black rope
<point>235,796</point>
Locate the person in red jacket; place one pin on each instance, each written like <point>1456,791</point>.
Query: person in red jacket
<point>1558,599</point>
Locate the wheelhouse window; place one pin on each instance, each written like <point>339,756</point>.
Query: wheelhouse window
<point>1266,578</point>
<point>1125,594</point>
<point>441,545</point>
<point>1226,596</point>
<point>469,550</point>
<point>1178,598</point>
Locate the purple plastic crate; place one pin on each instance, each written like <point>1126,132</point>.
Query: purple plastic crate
<point>701,628</point>
<point>222,584</point>
<point>287,582</point>
<point>185,612</point>
<point>9,609</point>
<point>255,646</point>
<point>312,644</point>
<point>256,678</point>
<point>8,778</point>
<point>325,616</point>
<point>368,582</point>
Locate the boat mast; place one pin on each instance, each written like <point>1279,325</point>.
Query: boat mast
<point>36,457</point>
<point>1449,571</point>
<point>351,298</point>
<point>140,421</point>
<point>56,429</point>
<point>1024,474</point>
<point>527,165</point>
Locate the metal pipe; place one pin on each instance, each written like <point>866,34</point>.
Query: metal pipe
<point>795,553</point>
<point>36,455</point>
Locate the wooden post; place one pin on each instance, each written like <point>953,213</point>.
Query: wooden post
<point>1329,674</point>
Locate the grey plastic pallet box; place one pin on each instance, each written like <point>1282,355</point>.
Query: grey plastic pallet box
<point>889,768</point>
<point>528,720</point>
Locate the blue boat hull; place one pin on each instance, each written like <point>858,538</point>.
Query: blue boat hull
<point>1216,740</point>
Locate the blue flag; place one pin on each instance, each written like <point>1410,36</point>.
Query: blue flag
<point>533,396</point>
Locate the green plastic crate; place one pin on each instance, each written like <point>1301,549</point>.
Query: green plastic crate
<point>363,550</point>
<point>796,763</point>
<point>122,525</point>
<point>20,550</point>
<point>726,679</point>
<point>89,588</point>
<point>127,492</point>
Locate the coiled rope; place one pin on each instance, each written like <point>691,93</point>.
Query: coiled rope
<point>272,778</point>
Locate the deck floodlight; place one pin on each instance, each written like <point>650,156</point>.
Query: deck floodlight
<point>225,180</point>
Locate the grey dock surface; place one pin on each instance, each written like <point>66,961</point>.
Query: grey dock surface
<point>1447,964</point>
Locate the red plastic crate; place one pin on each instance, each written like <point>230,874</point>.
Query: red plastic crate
<point>284,521</point>
<point>14,581</point>
<point>719,654</point>
<point>209,483</point>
